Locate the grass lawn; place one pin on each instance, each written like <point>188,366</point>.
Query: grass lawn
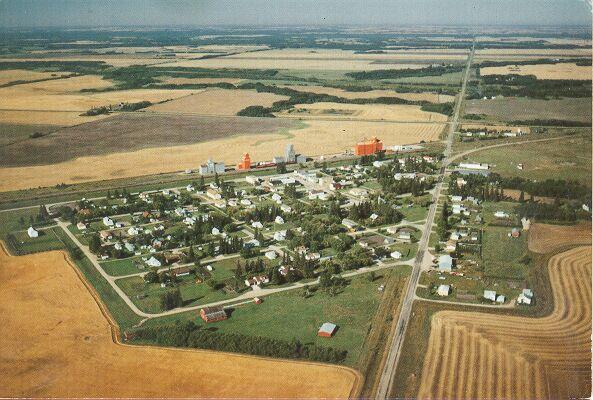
<point>46,241</point>
<point>408,250</point>
<point>568,158</point>
<point>414,213</point>
<point>125,266</point>
<point>502,254</point>
<point>288,315</point>
<point>10,220</point>
<point>490,207</point>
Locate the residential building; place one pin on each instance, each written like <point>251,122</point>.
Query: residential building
<point>32,232</point>
<point>443,290</point>
<point>445,263</point>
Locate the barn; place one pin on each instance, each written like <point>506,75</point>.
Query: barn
<point>213,314</point>
<point>327,330</point>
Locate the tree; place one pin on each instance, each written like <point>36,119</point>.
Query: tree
<point>281,168</point>
<point>171,299</point>
<point>371,276</point>
<point>95,244</point>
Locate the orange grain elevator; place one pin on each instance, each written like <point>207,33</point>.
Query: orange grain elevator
<point>246,163</point>
<point>367,148</point>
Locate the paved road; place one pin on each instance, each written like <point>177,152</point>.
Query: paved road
<point>387,375</point>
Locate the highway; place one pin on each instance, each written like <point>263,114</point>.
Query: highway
<point>386,379</point>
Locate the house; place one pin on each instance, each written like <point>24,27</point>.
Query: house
<point>279,220</point>
<point>445,263</point>
<point>81,226</point>
<point>501,214</point>
<point>490,295</point>
<point>280,236</point>
<point>374,217</point>
<point>443,290</point>
<point>396,255</point>
<point>515,233</point>
<point>271,255</point>
<point>253,180</point>
<point>129,247</point>
<point>392,230</point>
<point>183,271</point>
<point>105,235</point>
<point>348,223</point>
<point>213,194</point>
<point>404,236</point>
<point>327,330</point>
<point>456,199</point>
<point>252,243</point>
<point>213,314</point>
<point>153,262</point>
<point>32,232</point>
<point>525,297</point>
<point>276,197</point>
<point>525,223</point>
<point>107,221</point>
<point>312,256</point>
<point>257,280</point>
<point>500,299</point>
<point>118,246</point>
<point>257,224</point>
<point>286,208</point>
<point>133,231</point>
<point>245,202</point>
<point>215,231</point>
<point>474,166</point>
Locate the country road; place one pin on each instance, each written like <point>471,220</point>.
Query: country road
<point>386,379</point>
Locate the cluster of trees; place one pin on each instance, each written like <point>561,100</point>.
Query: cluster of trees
<point>171,299</point>
<point>443,223</point>
<point>406,72</point>
<point>478,186</point>
<point>542,211</point>
<point>263,213</point>
<point>189,334</point>
<point>549,187</point>
<point>513,85</point>
<point>578,61</point>
<point>385,210</point>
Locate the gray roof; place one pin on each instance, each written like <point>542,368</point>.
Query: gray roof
<point>327,327</point>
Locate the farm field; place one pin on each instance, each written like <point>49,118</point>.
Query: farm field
<point>522,109</point>
<point>116,60</point>
<point>65,95</point>
<point>10,133</point>
<point>568,158</point>
<point>312,137</point>
<point>522,357</point>
<point>13,75</point>
<point>502,53</point>
<point>373,94</point>
<point>218,102</point>
<point>543,71</point>
<point>58,321</point>
<point>193,81</point>
<point>53,118</point>
<point>545,238</point>
<point>397,113</point>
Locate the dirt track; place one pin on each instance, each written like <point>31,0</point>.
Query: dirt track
<point>57,343</point>
<point>476,355</point>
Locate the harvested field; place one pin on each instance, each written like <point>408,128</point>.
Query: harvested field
<point>373,94</point>
<point>477,355</point>
<point>52,327</point>
<point>540,53</point>
<point>116,60</point>
<point>58,118</point>
<point>218,102</point>
<point>12,75</point>
<point>65,95</point>
<point>523,109</point>
<point>542,71</point>
<point>130,132</point>
<point>313,138</point>
<point>545,238</point>
<point>382,112</point>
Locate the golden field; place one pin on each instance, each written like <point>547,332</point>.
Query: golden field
<point>190,81</point>
<point>543,71</point>
<point>373,94</point>
<point>477,355</point>
<point>57,341</point>
<point>545,238</point>
<point>115,60</point>
<point>65,95</point>
<point>313,139</point>
<point>218,102</point>
<point>11,75</point>
<point>383,112</point>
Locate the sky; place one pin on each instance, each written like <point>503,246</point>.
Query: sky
<point>92,13</point>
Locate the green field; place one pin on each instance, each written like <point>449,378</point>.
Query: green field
<point>504,256</point>
<point>568,159</point>
<point>288,315</point>
<point>125,266</point>
<point>46,241</point>
<point>414,213</point>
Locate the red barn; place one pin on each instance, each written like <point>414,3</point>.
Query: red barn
<point>213,314</point>
<point>327,330</point>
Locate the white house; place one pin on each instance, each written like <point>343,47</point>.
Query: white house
<point>253,180</point>
<point>107,221</point>
<point>396,255</point>
<point>81,226</point>
<point>280,236</point>
<point>445,263</point>
<point>279,220</point>
<point>271,255</point>
<point>276,197</point>
<point>32,232</point>
<point>500,299</point>
<point>133,231</point>
<point>129,247</point>
<point>490,295</point>
<point>215,231</point>
<point>443,290</point>
<point>501,214</point>
<point>153,262</point>
<point>257,224</point>
<point>245,202</point>
<point>286,208</point>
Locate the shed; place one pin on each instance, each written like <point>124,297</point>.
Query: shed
<point>445,263</point>
<point>443,290</point>
<point>490,295</point>
<point>327,330</point>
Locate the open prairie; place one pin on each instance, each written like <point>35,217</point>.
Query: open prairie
<point>477,355</point>
<point>383,112</point>
<point>312,138</point>
<point>546,238</point>
<point>52,326</point>
<point>521,109</point>
<point>373,94</point>
<point>218,102</point>
<point>65,95</point>
<point>543,71</point>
